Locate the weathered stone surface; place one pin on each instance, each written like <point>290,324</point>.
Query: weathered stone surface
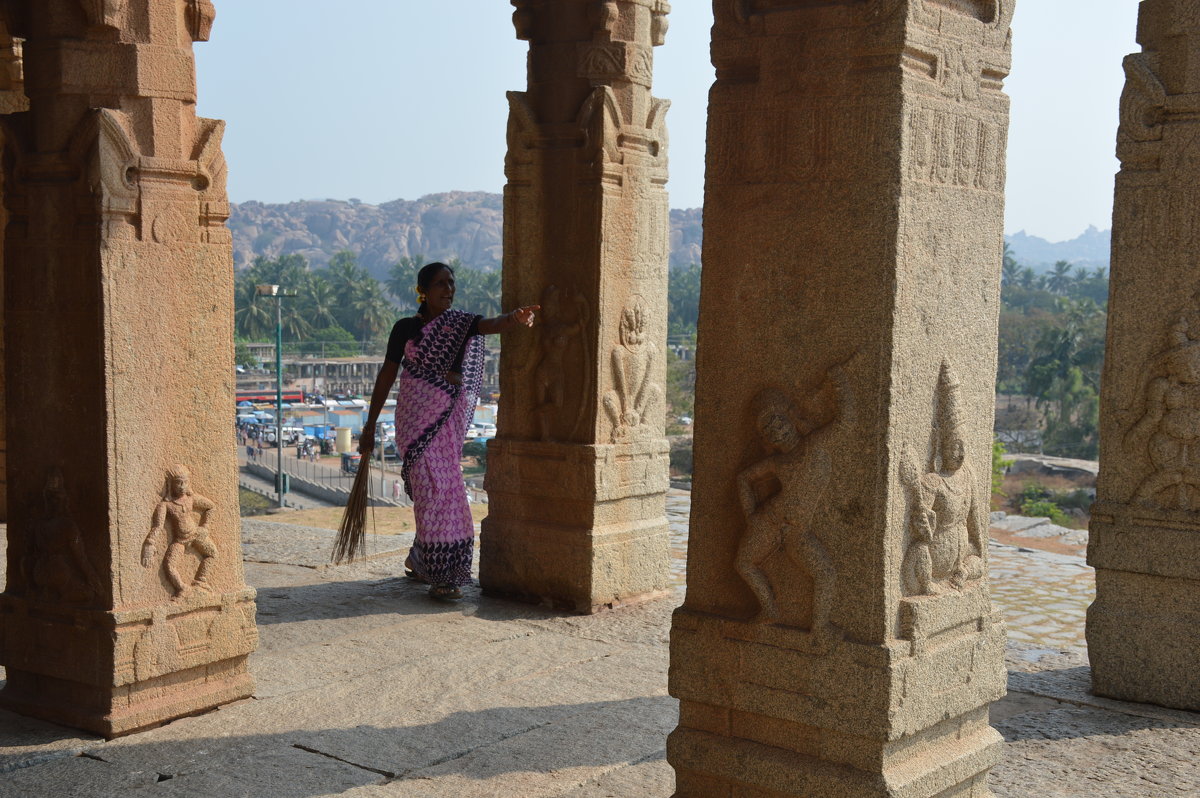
<point>1143,631</point>
<point>578,472</point>
<point>125,603</point>
<point>838,638</point>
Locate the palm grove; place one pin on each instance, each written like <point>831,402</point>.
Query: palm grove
<point>1050,352</point>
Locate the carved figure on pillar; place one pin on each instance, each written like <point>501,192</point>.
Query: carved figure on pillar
<point>175,515</point>
<point>948,521</point>
<point>56,566</point>
<point>781,494</point>
<point>1168,430</point>
<point>566,315</point>
<point>636,397</point>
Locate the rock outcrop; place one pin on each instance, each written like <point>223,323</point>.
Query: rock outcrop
<point>463,224</point>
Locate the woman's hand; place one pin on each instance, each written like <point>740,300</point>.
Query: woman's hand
<point>366,440</point>
<point>525,315</point>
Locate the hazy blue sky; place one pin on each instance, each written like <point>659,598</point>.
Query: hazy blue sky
<point>388,99</point>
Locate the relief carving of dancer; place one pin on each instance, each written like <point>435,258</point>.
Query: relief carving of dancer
<point>56,566</point>
<point>948,520</point>
<point>1169,427</point>
<point>795,473</point>
<point>176,515</point>
<point>565,316</point>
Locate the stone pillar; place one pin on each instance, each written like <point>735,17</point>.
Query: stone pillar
<point>125,604</point>
<point>1142,631</point>
<point>12,99</point>
<point>578,473</point>
<point>838,638</point>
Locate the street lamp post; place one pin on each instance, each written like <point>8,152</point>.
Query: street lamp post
<point>278,294</point>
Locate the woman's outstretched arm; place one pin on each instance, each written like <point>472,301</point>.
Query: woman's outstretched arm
<point>509,321</point>
<point>383,385</point>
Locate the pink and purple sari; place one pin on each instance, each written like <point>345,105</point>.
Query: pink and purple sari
<point>432,415</point>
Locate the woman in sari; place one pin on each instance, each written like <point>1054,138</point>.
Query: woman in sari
<point>442,354</point>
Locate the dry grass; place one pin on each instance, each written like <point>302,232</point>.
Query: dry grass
<point>380,520</point>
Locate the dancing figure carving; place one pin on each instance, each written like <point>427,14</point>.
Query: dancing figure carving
<point>781,493</point>
<point>56,566</point>
<point>175,515</point>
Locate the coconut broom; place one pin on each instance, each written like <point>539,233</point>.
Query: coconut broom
<point>352,532</point>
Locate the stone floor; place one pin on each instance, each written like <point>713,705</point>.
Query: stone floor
<point>368,688</point>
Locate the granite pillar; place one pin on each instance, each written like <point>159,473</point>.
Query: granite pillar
<point>12,99</point>
<point>1143,630</point>
<point>125,603</point>
<point>837,637</point>
<point>577,474</point>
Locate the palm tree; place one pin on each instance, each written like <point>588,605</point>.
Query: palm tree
<point>1010,272</point>
<point>1059,280</point>
<point>374,314</point>
<point>252,319</point>
<point>1028,278</point>
<point>319,303</point>
<point>402,279</point>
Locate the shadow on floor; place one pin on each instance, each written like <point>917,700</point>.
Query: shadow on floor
<point>486,752</point>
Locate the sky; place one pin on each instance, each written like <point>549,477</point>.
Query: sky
<point>394,99</point>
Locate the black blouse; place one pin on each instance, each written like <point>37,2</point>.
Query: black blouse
<point>409,328</point>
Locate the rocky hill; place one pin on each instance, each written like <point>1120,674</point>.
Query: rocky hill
<point>1090,249</point>
<point>467,225</point>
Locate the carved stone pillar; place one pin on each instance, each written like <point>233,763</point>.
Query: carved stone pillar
<point>12,99</point>
<point>1142,632</point>
<point>126,604</point>
<point>577,475</point>
<point>838,637</point>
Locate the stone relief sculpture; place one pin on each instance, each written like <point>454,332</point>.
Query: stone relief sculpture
<point>565,314</point>
<point>104,13</point>
<point>200,17</point>
<point>948,520</point>
<point>635,397</point>
<point>175,515</point>
<point>795,473</point>
<point>1168,429</point>
<point>56,566</point>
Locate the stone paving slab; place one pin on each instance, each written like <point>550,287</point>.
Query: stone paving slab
<point>368,688</point>
<point>311,547</point>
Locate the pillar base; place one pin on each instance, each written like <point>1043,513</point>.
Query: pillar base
<point>1143,630</point>
<point>117,672</point>
<point>576,527</point>
<point>771,710</point>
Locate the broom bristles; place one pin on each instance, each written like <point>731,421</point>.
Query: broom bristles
<point>352,533</point>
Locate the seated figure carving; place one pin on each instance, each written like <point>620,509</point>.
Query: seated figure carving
<point>1169,427</point>
<point>948,522</point>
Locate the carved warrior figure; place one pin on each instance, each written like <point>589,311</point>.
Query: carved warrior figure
<point>175,515</point>
<point>781,493</point>
<point>635,397</point>
<point>1169,427</point>
<point>55,565</point>
<point>948,521</point>
<point>566,315</point>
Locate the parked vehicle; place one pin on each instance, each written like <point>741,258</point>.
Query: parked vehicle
<point>350,462</point>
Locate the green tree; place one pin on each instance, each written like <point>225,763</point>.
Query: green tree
<point>683,300</point>
<point>1059,280</point>
<point>333,341</point>
<point>402,280</point>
